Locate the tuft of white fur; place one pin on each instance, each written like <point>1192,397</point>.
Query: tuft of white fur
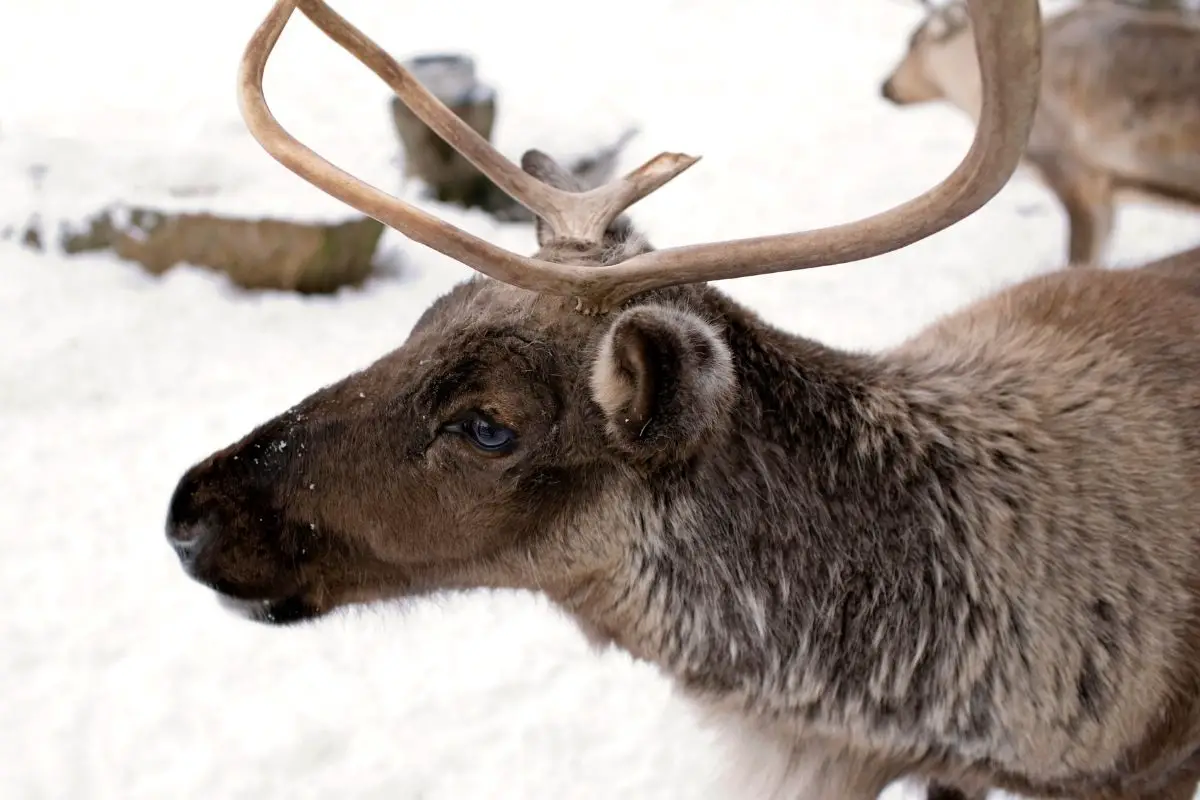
<point>716,381</point>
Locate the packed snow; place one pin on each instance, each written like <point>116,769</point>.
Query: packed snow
<point>120,678</point>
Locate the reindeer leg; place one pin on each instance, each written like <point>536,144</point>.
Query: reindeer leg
<point>938,791</point>
<point>1087,197</point>
<point>820,773</point>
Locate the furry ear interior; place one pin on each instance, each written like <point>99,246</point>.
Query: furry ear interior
<point>665,380</point>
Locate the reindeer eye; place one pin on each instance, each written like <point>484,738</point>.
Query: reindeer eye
<point>489,436</point>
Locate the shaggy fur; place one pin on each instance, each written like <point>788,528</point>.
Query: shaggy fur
<point>971,559</point>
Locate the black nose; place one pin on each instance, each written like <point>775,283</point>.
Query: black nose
<point>188,530</point>
<point>886,92</point>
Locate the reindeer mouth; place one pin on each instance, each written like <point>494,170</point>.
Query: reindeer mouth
<point>281,611</point>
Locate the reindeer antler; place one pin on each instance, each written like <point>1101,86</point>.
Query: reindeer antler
<point>1008,47</point>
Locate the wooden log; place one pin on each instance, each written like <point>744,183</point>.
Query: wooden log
<point>305,257</point>
<point>450,178</point>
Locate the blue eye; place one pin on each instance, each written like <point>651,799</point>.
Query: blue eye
<point>485,434</point>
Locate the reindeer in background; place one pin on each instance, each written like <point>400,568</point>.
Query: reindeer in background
<point>1118,116</point>
<point>972,559</point>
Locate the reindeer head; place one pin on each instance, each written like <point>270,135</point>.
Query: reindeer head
<point>498,446</point>
<point>494,448</point>
<point>940,55</point>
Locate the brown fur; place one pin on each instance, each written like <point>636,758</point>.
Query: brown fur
<point>1118,115</point>
<point>973,558</point>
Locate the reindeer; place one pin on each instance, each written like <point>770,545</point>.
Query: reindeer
<point>1119,114</point>
<point>970,559</point>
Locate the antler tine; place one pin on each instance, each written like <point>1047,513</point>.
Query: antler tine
<point>582,216</point>
<point>1008,47</point>
<point>495,262</point>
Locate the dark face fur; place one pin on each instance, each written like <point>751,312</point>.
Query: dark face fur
<point>471,456</point>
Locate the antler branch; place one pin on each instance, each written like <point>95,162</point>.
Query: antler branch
<point>1008,47</point>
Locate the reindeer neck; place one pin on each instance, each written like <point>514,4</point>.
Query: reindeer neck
<point>804,567</point>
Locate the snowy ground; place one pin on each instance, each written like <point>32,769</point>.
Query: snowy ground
<point>119,678</point>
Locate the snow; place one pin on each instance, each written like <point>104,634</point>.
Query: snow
<point>119,678</point>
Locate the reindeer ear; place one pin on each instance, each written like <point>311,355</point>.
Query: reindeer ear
<point>620,234</point>
<point>665,380</point>
<point>550,172</point>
